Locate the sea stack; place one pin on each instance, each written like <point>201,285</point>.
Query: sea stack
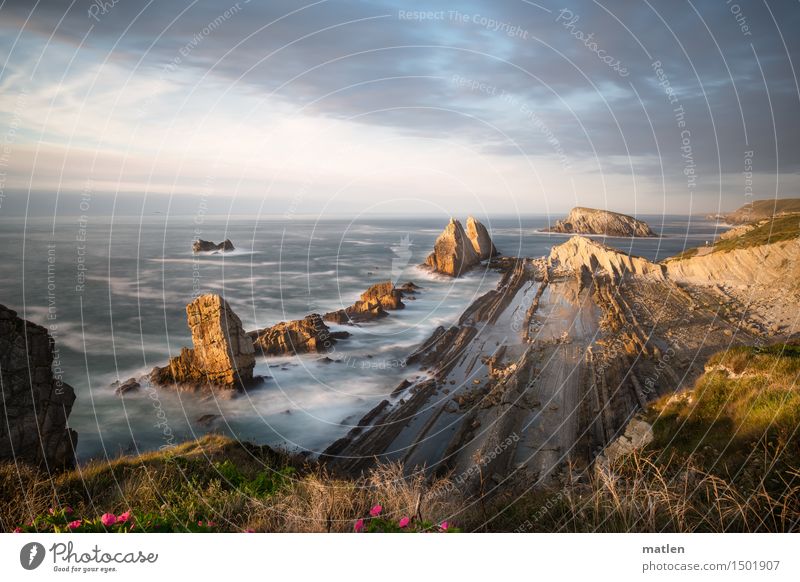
<point>222,356</point>
<point>481,241</point>
<point>206,246</point>
<point>593,221</point>
<point>453,252</point>
<point>36,403</point>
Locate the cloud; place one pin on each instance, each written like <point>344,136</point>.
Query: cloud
<point>509,80</point>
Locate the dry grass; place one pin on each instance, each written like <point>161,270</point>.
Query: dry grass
<point>236,485</point>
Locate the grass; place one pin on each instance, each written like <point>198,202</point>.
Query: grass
<point>725,457</point>
<point>776,230</point>
<point>217,484</point>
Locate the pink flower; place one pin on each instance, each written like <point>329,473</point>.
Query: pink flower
<point>211,523</point>
<point>404,521</point>
<point>200,523</point>
<point>124,517</point>
<point>376,511</point>
<point>108,519</point>
<point>17,530</point>
<point>248,530</point>
<point>74,524</point>
<point>67,510</point>
<point>444,525</point>
<point>359,527</point>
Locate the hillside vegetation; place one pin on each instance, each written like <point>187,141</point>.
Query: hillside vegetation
<point>725,457</point>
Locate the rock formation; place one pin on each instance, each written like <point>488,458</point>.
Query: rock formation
<point>453,252</point>
<point>593,221</point>
<point>205,246</point>
<point>759,210</point>
<point>298,336</point>
<point>481,241</point>
<point>222,356</point>
<point>35,404</point>
<point>374,303</point>
<point>585,256</point>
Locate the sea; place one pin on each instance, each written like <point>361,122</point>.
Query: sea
<point>112,292</point>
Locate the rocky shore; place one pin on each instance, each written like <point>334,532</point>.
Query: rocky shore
<point>543,373</point>
<point>206,246</point>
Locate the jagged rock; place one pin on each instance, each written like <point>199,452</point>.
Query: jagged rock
<point>593,221</point>
<point>374,303</point>
<point>35,403</point>
<point>583,255</point>
<point>638,434</point>
<point>222,356</point>
<point>129,385</point>
<point>453,253</point>
<point>205,246</point>
<point>481,241</point>
<point>409,288</point>
<point>298,336</point>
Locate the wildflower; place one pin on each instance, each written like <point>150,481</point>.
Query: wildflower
<point>359,525</point>
<point>444,525</point>
<point>200,523</point>
<point>67,510</point>
<point>211,523</point>
<point>108,519</point>
<point>74,524</point>
<point>17,530</point>
<point>403,521</point>
<point>376,511</point>
<point>124,517</point>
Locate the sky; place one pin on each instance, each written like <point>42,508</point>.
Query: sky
<point>343,107</point>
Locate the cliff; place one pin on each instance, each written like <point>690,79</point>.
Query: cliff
<point>585,256</point>
<point>36,404</point>
<point>593,221</point>
<point>759,210</point>
<point>222,355</point>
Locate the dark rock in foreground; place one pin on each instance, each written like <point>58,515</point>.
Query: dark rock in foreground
<point>36,403</point>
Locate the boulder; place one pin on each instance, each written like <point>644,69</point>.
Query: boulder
<point>481,241</point>
<point>593,221</point>
<point>129,385</point>
<point>374,303</point>
<point>453,252</point>
<point>206,246</point>
<point>222,356</point>
<point>298,336</point>
<point>36,403</point>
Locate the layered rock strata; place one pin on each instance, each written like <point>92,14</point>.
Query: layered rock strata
<point>222,356</point>
<point>594,221</point>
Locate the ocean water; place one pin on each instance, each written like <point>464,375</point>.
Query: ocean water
<point>113,293</point>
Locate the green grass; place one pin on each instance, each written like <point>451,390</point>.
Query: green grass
<point>778,229</point>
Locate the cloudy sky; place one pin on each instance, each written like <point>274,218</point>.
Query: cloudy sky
<point>335,107</point>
